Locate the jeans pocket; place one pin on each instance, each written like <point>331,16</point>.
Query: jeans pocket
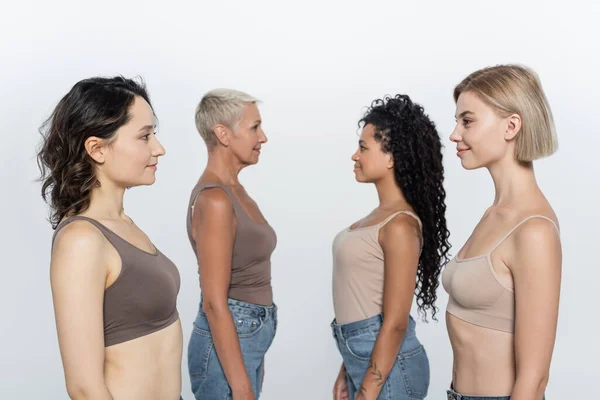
<point>200,351</point>
<point>247,324</point>
<point>414,367</point>
<point>361,347</point>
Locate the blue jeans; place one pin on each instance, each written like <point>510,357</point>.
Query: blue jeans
<point>256,326</point>
<point>452,395</point>
<point>409,377</point>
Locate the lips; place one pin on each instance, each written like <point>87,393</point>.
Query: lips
<point>461,151</point>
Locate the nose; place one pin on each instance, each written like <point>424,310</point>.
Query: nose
<point>455,136</point>
<point>158,149</point>
<point>263,138</point>
<point>355,156</point>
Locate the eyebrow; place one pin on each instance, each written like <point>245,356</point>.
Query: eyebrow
<point>464,113</point>
<point>147,128</point>
<point>258,121</point>
<point>362,142</point>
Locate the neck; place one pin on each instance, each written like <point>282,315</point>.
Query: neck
<point>513,181</point>
<point>390,195</point>
<point>106,201</point>
<point>223,165</point>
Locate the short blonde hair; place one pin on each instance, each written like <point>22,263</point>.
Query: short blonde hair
<point>220,106</point>
<point>515,89</point>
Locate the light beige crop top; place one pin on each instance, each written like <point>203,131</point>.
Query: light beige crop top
<point>358,271</point>
<point>476,295</point>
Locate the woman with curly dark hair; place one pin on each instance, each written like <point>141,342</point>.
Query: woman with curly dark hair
<point>114,293</point>
<point>396,251</point>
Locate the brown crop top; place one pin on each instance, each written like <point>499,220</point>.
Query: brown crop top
<point>143,299</point>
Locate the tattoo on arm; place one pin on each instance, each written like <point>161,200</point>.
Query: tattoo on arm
<point>378,376</point>
<point>361,394</point>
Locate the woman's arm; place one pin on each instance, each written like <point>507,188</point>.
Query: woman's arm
<point>213,224</point>
<point>78,272</point>
<point>536,269</point>
<point>400,240</point>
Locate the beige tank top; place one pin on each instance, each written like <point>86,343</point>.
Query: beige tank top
<point>358,271</point>
<point>476,295</point>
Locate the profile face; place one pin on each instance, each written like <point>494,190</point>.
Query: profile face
<point>131,157</point>
<point>370,162</point>
<point>249,136</point>
<point>479,133</point>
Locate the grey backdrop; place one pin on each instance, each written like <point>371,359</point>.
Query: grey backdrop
<point>315,65</point>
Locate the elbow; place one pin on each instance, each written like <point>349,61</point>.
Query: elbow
<point>78,390</point>
<point>534,382</point>
<point>396,327</point>
<point>214,306</point>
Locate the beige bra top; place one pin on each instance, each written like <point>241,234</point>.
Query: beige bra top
<point>358,271</point>
<point>476,295</point>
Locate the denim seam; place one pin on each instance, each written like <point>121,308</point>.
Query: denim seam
<point>203,371</point>
<point>402,359</point>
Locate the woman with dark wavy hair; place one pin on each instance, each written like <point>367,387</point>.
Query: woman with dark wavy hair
<point>393,253</point>
<point>114,293</point>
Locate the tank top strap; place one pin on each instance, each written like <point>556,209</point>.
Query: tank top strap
<point>209,185</point>
<point>410,213</point>
<point>517,226</point>
<point>110,235</point>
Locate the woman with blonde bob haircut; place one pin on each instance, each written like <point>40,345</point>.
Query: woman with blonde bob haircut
<point>233,243</point>
<point>504,283</point>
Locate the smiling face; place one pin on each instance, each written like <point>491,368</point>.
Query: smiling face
<point>482,136</point>
<point>249,136</point>
<point>370,162</point>
<point>130,158</point>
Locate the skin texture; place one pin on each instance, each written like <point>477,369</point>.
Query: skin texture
<point>84,264</point>
<point>401,242</point>
<point>489,362</point>
<point>214,226</point>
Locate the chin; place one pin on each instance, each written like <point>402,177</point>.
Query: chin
<point>469,164</point>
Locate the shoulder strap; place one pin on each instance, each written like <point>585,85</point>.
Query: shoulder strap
<point>388,219</point>
<point>208,185</point>
<point>105,231</point>
<point>518,225</point>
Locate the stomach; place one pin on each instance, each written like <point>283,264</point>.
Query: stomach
<point>146,368</point>
<point>484,359</point>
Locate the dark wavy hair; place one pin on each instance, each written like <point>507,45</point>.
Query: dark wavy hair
<point>93,107</point>
<point>405,131</point>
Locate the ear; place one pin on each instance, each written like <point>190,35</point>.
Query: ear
<point>222,133</point>
<point>390,163</point>
<point>96,148</point>
<point>513,127</point>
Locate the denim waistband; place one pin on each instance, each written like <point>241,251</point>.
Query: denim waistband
<point>241,307</point>
<point>373,323</point>
<point>452,395</point>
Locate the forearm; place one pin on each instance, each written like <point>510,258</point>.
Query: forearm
<point>227,346</point>
<point>382,361</point>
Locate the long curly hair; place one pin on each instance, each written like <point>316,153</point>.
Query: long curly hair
<point>93,107</point>
<point>406,132</point>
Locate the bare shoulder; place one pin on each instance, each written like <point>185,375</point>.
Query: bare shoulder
<point>78,236</point>
<point>538,231</point>
<point>79,244</point>
<point>213,200</point>
<point>402,227</point>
